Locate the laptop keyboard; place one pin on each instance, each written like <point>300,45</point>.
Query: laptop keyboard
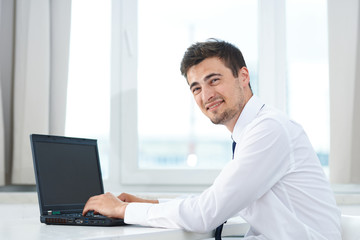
<point>91,214</point>
<point>88,214</point>
<point>72,215</point>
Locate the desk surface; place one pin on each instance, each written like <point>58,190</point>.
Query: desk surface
<point>22,221</point>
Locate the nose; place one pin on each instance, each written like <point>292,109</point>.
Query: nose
<point>207,94</point>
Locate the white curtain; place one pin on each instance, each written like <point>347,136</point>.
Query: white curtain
<point>344,73</point>
<point>2,142</point>
<point>6,59</point>
<point>40,77</point>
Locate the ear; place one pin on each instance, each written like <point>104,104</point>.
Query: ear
<point>244,77</point>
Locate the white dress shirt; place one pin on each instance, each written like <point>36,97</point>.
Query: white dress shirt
<point>275,182</point>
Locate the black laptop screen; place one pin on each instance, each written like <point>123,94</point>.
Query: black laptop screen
<point>69,173</point>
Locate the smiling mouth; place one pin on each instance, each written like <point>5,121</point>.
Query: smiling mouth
<point>214,105</point>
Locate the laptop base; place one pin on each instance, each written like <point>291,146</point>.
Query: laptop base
<point>84,221</point>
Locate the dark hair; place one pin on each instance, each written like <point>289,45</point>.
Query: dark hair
<point>228,53</point>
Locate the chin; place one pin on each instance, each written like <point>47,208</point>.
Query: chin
<point>222,118</point>
<point>218,120</point>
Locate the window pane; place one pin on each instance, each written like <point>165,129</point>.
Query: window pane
<point>173,133</point>
<point>88,95</point>
<point>308,71</point>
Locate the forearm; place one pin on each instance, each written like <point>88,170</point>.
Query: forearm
<point>129,198</point>
<point>185,213</point>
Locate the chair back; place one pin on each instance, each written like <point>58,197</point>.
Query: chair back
<point>350,227</point>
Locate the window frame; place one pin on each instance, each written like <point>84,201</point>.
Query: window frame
<point>272,86</point>
<point>124,134</point>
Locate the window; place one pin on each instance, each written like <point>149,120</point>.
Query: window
<point>308,88</point>
<point>88,101</point>
<point>173,133</point>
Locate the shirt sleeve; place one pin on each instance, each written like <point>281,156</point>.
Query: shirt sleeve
<point>262,157</point>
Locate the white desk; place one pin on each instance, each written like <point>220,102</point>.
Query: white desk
<point>21,221</point>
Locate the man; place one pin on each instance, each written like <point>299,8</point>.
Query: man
<point>275,181</point>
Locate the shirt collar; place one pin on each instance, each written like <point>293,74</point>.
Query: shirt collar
<point>250,111</point>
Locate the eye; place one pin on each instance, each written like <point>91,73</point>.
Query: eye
<point>214,80</point>
<point>196,90</point>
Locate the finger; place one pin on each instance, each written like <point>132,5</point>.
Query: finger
<point>123,197</point>
<point>90,204</point>
<point>87,208</point>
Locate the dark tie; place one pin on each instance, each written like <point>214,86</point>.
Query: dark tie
<point>218,230</point>
<point>233,148</point>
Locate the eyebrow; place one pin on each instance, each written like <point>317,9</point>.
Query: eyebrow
<point>206,78</point>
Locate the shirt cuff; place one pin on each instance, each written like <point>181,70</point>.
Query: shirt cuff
<point>137,213</point>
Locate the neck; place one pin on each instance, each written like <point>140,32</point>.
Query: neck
<point>231,124</point>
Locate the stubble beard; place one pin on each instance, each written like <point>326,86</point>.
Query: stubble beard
<point>224,117</point>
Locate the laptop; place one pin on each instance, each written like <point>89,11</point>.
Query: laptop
<point>67,173</point>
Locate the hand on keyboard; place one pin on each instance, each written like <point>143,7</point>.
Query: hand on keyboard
<point>92,214</point>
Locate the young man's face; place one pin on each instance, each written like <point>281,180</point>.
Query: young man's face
<point>220,96</point>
